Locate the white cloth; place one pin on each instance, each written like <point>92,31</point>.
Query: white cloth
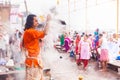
<point>104,44</point>
<point>113,49</point>
<point>2,43</point>
<point>85,50</point>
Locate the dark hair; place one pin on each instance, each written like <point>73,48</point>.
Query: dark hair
<point>100,34</point>
<point>86,35</point>
<point>29,21</point>
<point>82,34</point>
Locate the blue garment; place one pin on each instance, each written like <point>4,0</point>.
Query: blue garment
<point>96,38</point>
<point>72,53</point>
<point>118,58</point>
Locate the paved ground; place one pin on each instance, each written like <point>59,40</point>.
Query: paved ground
<point>65,68</point>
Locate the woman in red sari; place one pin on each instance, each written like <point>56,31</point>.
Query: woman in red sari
<point>77,40</point>
<point>31,44</point>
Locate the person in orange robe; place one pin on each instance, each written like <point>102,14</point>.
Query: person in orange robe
<point>31,39</point>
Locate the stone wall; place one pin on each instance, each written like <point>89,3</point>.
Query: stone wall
<point>4,12</point>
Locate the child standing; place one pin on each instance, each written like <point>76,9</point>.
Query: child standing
<point>72,50</point>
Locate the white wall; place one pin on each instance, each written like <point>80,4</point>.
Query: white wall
<point>101,14</point>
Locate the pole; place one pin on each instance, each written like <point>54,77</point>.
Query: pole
<point>74,5</point>
<point>86,17</point>
<point>58,2</point>
<point>69,13</point>
<point>117,29</point>
<point>96,2</point>
<point>26,7</point>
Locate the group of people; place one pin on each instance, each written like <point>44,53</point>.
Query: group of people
<point>10,47</point>
<point>83,47</point>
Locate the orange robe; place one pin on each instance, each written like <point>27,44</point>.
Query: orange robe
<point>31,43</point>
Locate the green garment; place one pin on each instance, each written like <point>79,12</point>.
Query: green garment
<point>62,40</point>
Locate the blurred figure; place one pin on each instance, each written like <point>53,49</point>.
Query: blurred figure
<point>84,50</point>
<point>104,52</point>
<point>31,38</point>
<point>62,40</point>
<point>2,46</point>
<point>72,50</point>
<point>76,43</point>
<point>67,43</point>
<point>77,40</point>
<point>96,43</point>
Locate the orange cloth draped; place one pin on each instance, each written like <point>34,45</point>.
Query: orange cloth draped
<point>31,43</point>
<point>32,62</point>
